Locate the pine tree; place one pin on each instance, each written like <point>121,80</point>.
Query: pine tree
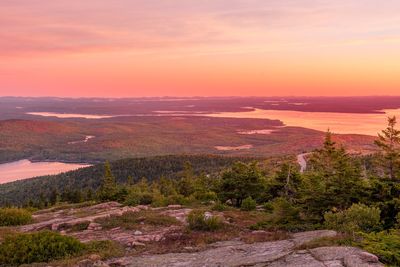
<point>54,197</point>
<point>389,144</point>
<point>108,188</point>
<point>242,181</point>
<point>334,180</point>
<point>186,185</point>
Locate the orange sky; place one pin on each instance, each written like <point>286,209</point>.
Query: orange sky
<point>199,47</point>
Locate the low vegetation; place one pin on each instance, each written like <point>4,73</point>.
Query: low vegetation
<point>358,218</point>
<point>133,220</point>
<point>14,216</point>
<point>385,244</point>
<point>199,221</point>
<point>248,204</point>
<point>25,248</point>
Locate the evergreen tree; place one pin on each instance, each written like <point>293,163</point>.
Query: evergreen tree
<point>186,185</point>
<point>108,188</point>
<point>242,181</point>
<point>54,197</point>
<point>334,180</point>
<point>285,183</point>
<point>389,144</point>
<point>167,187</point>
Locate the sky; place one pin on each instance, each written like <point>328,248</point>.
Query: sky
<point>134,48</point>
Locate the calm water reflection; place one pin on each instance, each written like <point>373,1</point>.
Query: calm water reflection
<point>342,123</point>
<point>24,169</point>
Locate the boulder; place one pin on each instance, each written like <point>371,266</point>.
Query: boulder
<point>137,233</point>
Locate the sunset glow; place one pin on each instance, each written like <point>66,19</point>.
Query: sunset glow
<point>124,48</point>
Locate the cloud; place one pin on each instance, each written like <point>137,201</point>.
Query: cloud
<point>44,26</point>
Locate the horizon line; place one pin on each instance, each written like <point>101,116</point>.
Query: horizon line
<point>196,97</point>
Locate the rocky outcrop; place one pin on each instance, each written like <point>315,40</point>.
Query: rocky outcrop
<point>276,253</point>
<point>81,223</point>
<point>66,218</point>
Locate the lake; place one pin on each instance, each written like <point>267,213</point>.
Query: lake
<point>70,115</point>
<point>24,169</point>
<point>341,123</point>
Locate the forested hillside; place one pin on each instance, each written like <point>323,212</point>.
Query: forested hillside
<point>20,192</point>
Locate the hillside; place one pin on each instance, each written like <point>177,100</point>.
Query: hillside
<point>64,140</point>
<point>20,192</point>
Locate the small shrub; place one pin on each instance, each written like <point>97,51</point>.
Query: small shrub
<point>146,199</point>
<point>132,201</point>
<point>268,207</point>
<point>248,204</point>
<point>218,206</point>
<point>14,216</point>
<point>198,221</point>
<point>206,196</point>
<point>44,246</point>
<point>135,198</point>
<point>285,216</point>
<point>386,245</point>
<point>358,217</point>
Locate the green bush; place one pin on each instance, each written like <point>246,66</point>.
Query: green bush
<point>146,199</point>
<point>198,221</point>
<point>286,216</point>
<point>248,204</point>
<point>132,199</point>
<point>14,216</point>
<point>358,217</point>
<point>218,206</point>
<point>268,206</point>
<point>44,246</point>
<point>206,196</point>
<point>135,198</point>
<point>386,245</point>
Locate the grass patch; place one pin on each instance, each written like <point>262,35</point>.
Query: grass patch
<point>131,220</point>
<point>244,219</point>
<point>105,249</point>
<point>198,221</point>
<point>14,216</point>
<point>339,240</point>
